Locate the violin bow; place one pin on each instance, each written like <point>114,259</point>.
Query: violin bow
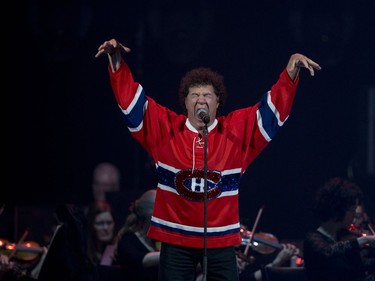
<point>253,230</point>
<point>371,229</point>
<point>26,232</point>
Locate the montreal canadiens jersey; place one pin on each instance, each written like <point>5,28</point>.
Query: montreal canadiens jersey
<point>233,142</point>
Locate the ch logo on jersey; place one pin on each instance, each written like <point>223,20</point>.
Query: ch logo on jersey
<point>190,184</point>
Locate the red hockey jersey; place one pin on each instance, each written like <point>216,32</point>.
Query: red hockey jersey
<point>233,142</point>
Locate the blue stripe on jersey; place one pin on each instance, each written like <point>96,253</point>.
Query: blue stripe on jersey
<point>134,118</point>
<point>269,121</point>
<point>228,182</point>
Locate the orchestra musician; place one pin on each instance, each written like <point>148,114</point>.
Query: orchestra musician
<point>265,251</point>
<point>361,222</point>
<point>361,226</point>
<point>137,254</point>
<point>331,251</point>
<point>101,233</point>
<point>17,261</point>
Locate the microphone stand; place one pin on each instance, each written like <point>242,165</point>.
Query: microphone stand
<point>205,133</point>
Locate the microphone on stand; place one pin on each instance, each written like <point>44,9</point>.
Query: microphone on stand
<point>203,115</point>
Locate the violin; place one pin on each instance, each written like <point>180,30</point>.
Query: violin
<point>22,256</point>
<point>265,239</point>
<point>262,242</point>
<point>25,251</point>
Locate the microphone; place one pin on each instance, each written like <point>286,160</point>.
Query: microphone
<point>203,115</point>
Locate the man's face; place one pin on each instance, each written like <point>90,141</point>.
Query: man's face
<point>201,97</point>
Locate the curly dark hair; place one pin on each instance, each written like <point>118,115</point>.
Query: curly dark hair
<point>202,76</point>
<point>335,197</point>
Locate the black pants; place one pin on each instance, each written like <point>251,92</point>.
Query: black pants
<point>180,263</point>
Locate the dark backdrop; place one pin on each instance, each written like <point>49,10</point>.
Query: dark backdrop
<point>61,119</point>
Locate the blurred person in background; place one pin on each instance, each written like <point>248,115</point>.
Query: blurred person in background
<point>106,187</point>
<point>331,251</point>
<point>106,178</point>
<point>137,254</point>
<point>101,233</point>
<point>251,271</point>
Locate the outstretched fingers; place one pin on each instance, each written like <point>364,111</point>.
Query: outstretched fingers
<point>298,61</point>
<point>307,63</point>
<point>124,48</point>
<point>110,47</point>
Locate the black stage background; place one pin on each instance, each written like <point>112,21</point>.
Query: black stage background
<point>60,118</point>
